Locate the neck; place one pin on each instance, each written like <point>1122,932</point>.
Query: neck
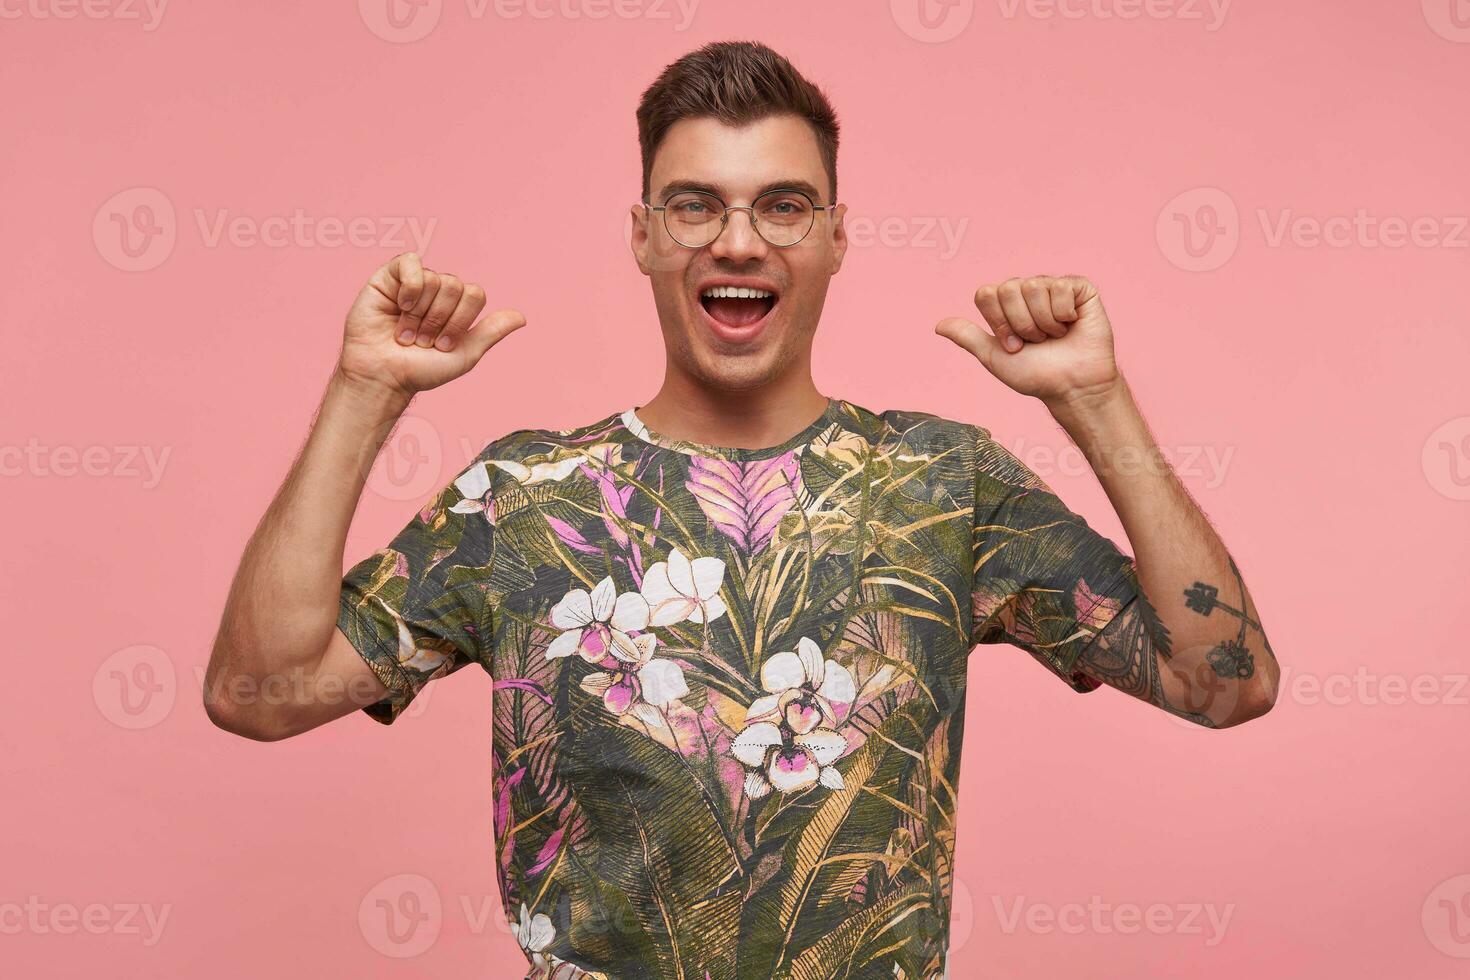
<point>747,417</point>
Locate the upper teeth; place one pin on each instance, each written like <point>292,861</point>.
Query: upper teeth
<point>735,292</point>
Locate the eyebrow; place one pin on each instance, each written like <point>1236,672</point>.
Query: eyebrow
<point>679,185</point>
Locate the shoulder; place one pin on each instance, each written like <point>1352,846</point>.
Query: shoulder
<point>917,431</point>
<point>523,445</point>
<point>531,455</point>
<point>970,445</point>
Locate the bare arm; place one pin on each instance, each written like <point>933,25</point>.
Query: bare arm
<point>279,665</point>
<point>1192,643</point>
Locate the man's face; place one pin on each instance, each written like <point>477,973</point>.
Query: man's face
<point>739,343</point>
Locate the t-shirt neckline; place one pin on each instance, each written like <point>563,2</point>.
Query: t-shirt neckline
<point>635,426</point>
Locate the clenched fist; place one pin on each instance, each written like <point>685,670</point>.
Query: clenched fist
<point>1049,336</point>
<point>412,329</point>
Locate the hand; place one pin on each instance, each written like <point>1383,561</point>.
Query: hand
<point>410,328</point>
<point>1050,337</point>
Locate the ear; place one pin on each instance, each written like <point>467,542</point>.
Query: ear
<point>839,237</point>
<point>638,217</point>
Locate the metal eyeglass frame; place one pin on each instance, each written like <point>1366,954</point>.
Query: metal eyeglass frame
<point>725,216</point>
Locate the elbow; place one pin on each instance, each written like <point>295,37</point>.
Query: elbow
<point>238,700</point>
<point>1255,701</point>
<point>230,707</point>
<point>1250,710</point>
<point>237,719</point>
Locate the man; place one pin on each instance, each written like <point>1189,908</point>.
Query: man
<point>729,627</point>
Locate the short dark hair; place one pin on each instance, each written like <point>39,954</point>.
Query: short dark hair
<point>736,82</point>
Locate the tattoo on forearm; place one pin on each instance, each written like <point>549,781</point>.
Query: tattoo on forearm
<point>1126,655</point>
<point>1231,658</point>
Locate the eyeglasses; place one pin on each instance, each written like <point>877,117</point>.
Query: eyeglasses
<point>781,217</point>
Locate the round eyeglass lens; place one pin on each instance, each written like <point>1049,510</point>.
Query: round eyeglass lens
<point>781,217</point>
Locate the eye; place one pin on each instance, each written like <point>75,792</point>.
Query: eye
<point>691,207</point>
<point>785,206</point>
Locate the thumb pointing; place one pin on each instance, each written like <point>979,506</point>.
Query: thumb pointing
<point>972,337</point>
<point>492,328</point>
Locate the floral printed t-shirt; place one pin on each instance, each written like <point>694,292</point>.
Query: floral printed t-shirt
<point>729,684</point>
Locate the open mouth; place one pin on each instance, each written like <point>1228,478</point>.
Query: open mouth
<point>737,306</point>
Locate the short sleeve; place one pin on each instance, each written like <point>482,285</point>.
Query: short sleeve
<point>1044,580</point>
<point>419,609</point>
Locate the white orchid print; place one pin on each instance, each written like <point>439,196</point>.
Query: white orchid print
<point>425,660</point>
<point>596,624</point>
<point>551,469</point>
<point>680,589</point>
<point>777,757</point>
<point>474,485</point>
<point>638,685</point>
<point>805,688</point>
<point>535,933</point>
<point>790,740</point>
<point>596,627</point>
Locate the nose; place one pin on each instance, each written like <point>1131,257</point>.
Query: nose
<point>738,240</point>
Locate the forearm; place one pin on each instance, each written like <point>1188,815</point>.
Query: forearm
<point>282,605</point>
<point>1196,647</point>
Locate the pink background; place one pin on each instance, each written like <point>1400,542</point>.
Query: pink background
<point>1329,379</point>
